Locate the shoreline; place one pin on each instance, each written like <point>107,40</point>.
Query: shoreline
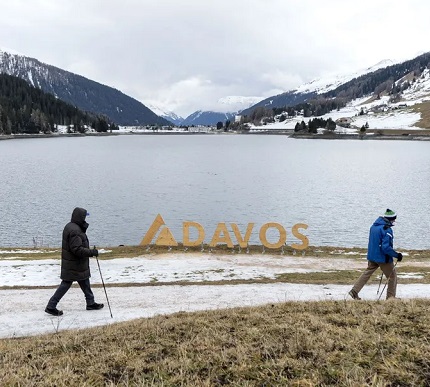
<point>101,134</point>
<point>398,137</point>
<point>379,137</point>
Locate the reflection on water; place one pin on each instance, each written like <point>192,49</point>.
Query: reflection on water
<point>337,187</point>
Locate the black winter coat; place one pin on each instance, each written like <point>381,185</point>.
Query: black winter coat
<point>75,253</point>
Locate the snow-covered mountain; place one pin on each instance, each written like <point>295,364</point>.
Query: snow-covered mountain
<point>206,118</point>
<point>167,114</point>
<point>232,104</point>
<point>79,91</point>
<point>238,103</point>
<point>340,82</point>
<point>402,107</point>
<point>331,82</point>
<point>407,80</point>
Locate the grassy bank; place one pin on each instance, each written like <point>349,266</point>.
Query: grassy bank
<point>327,343</point>
<point>137,251</point>
<point>344,343</point>
<point>415,267</point>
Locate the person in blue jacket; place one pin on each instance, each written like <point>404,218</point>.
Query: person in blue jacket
<point>380,253</point>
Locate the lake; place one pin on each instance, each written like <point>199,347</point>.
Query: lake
<point>336,187</point>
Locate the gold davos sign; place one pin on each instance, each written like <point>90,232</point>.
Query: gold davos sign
<point>222,235</point>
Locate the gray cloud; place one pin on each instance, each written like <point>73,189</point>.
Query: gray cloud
<point>185,55</point>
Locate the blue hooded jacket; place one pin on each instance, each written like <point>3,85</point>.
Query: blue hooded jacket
<point>380,249</point>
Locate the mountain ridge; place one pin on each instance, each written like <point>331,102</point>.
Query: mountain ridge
<point>318,100</point>
<point>207,118</point>
<point>314,98</point>
<point>166,114</point>
<point>85,94</point>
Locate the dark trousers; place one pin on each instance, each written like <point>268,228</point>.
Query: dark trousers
<point>65,286</point>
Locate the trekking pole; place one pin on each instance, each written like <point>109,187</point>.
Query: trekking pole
<point>392,271</point>
<point>380,282</point>
<point>104,287</point>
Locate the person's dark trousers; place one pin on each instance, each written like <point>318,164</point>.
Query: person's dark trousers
<point>86,288</point>
<point>65,286</point>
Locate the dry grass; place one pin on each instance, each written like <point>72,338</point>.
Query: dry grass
<point>138,251</point>
<point>330,343</point>
<point>291,344</point>
<point>424,110</point>
<point>415,262</point>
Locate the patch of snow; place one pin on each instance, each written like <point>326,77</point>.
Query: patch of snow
<point>332,81</point>
<point>411,275</point>
<point>22,251</point>
<point>136,301</point>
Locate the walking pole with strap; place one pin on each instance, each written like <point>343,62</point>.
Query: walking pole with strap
<point>392,271</point>
<point>104,287</point>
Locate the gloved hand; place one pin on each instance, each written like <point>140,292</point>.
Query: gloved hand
<point>399,257</point>
<point>94,252</point>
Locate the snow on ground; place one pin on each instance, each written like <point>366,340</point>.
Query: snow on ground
<point>396,115</point>
<point>192,267</point>
<point>390,120</point>
<point>332,81</point>
<point>174,129</point>
<point>22,310</point>
<point>403,118</point>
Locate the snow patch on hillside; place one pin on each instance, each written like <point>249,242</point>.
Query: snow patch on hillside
<point>377,113</point>
<point>332,81</point>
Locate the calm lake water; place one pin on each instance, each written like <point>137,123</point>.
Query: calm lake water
<point>337,187</point>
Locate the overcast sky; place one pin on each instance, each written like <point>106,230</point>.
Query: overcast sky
<point>184,55</point>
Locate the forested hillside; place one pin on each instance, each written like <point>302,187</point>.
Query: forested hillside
<point>79,91</point>
<point>392,80</point>
<point>26,109</point>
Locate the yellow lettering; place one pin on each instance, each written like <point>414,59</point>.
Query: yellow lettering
<point>217,238</point>
<point>186,234</point>
<point>166,238</point>
<point>300,236</point>
<point>242,242</point>
<point>282,235</point>
<point>155,226</point>
<point>222,235</point>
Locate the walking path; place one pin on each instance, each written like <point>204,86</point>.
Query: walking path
<point>22,309</point>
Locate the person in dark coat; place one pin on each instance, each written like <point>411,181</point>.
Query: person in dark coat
<point>380,254</point>
<point>75,265</point>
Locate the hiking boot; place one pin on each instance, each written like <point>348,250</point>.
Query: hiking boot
<point>392,298</point>
<point>354,294</point>
<point>53,311</point>
<point>95,306</point>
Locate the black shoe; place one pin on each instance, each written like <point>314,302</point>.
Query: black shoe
<point>354,294</point>
<point>95,306</point>
<point>53,311</point>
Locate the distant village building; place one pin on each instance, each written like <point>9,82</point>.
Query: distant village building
<point>345,122</point>
<point>380,108</point>
<point>237,118</point>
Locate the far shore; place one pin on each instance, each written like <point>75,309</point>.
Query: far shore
<point>408,135</point>
<point>90,134</point>
<point>403,137</point>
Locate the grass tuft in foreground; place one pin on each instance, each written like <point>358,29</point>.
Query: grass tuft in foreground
<point>292,344</point>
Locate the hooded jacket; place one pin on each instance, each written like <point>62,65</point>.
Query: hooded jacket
<point>380,249</point>
<point>75,253</point>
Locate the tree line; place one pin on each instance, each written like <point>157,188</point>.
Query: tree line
<point>314,124</point>
<point>28,110</point>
